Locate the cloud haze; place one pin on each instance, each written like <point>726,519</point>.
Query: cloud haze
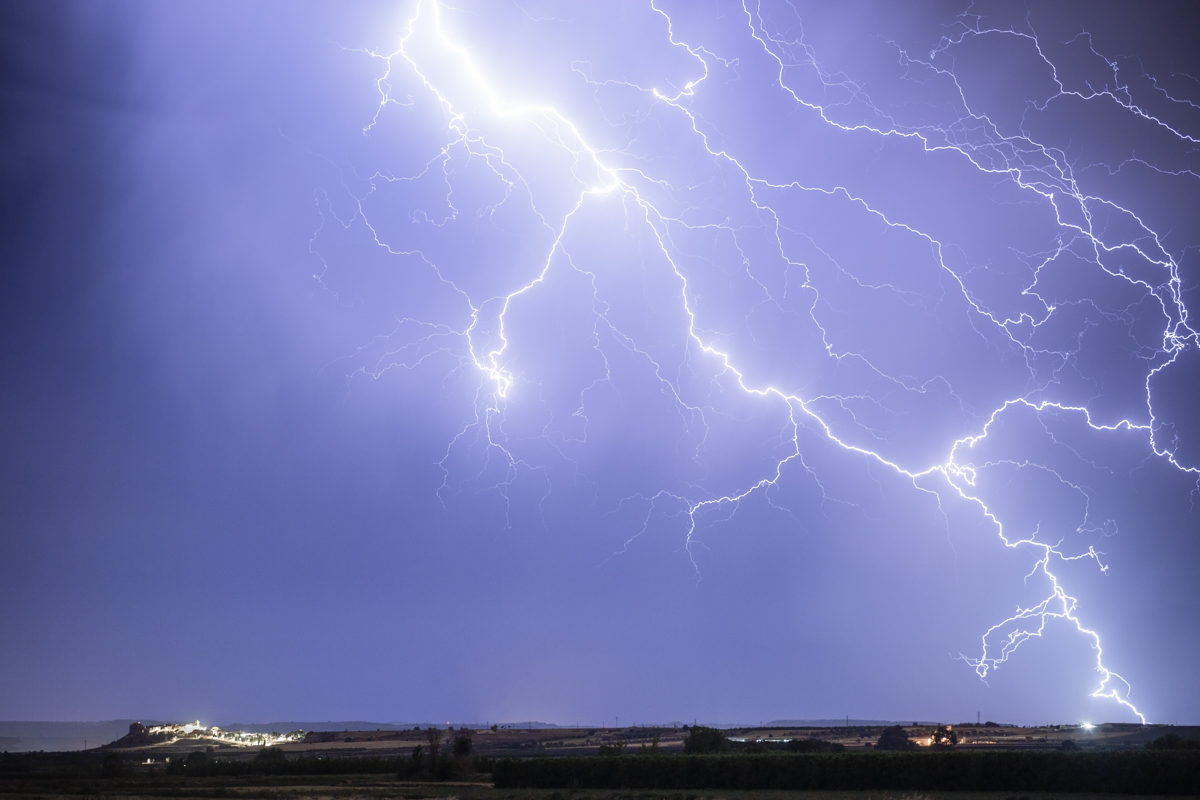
<point>539,361</point>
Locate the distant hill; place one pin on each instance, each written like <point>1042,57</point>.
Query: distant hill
<point>25,737</point>
<point>335,725</point>
<point>840,723</point>
<point>360,725</point>
<point>19,737</point>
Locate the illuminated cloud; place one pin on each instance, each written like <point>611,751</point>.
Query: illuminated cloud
<point>693,259</point>
<point>413,362</point>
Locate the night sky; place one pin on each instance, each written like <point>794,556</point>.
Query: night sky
<point>572,361</point>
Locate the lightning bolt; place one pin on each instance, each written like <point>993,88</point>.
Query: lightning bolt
<point>484,126</point>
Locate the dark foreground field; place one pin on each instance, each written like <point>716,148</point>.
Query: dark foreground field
<point>711,766</point>
<point>74,779</point>
<point>368,787</point>
<point>1142,772</point>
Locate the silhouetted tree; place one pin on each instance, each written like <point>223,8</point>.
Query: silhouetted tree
<point>652,749</point>
<point>415,764</point>
<point>944,737</point>
<point>1173,741</point>
<point>705,740</point>
<point>895,738</point>
<point>613,749</point>
<point>462,744</point>
<point>434,737</point>
<point>270,755</point>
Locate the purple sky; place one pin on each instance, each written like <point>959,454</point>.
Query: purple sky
<point>571,361</point>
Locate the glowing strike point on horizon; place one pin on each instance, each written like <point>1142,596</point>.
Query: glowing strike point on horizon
<point>478,120</point>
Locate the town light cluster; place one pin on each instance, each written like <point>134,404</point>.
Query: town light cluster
<point>194,730</point>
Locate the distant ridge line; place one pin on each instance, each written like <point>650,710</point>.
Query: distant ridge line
<point>839,723</point>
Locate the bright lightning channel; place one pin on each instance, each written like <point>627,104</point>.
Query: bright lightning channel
<point>1034,168</point>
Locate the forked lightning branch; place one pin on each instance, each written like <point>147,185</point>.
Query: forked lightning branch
<point>473,101</point>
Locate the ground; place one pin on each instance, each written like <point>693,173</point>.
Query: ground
<point>370,787</point>
<point>586,741</point>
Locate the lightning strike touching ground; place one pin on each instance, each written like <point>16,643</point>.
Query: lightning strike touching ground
<point>736,290</point>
